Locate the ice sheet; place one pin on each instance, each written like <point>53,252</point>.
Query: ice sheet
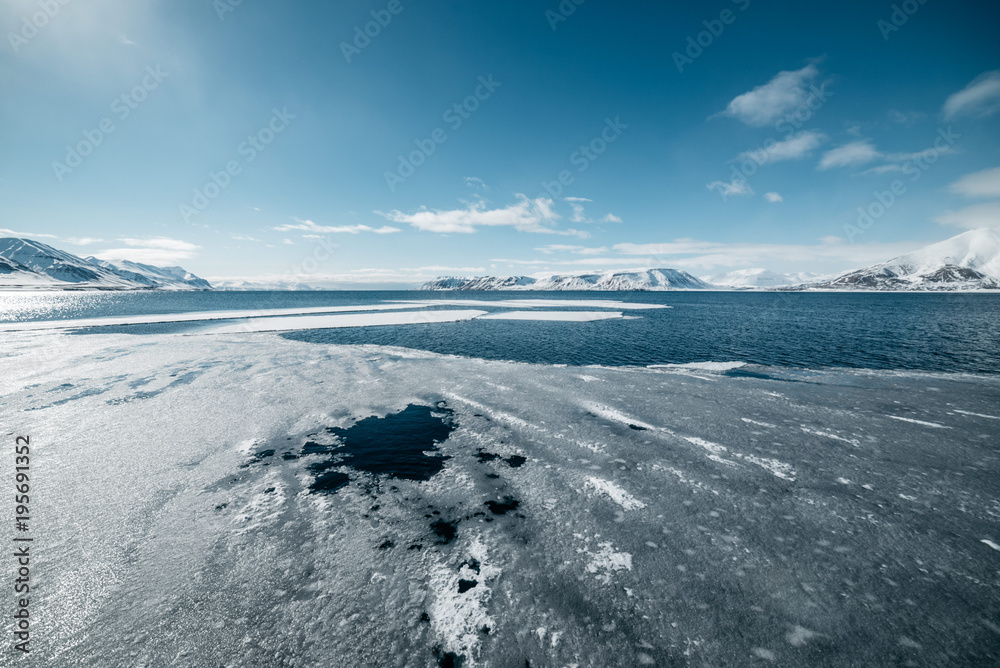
<point>296,323</point>
<point>558,316</point>
<point>168,536</point>
<point>195,317</point>
<point>541,303</point>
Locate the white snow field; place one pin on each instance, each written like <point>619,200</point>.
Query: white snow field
<point>583,517</point>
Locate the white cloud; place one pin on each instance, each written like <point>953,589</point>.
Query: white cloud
<point>774,198</point>
<point>831,254</point>
<point>973,217</point>
<point>577,199</point>
<point>84,241</point>
<point>27,235</point>
<point>474,182</point>
<point>855,153</point>
<point>288,242</point>
<point>981,184</point>
<point>611,218</point>
<point>525,215</point>
<point>980,98</point>
<point>904,117</point>
<point>163,244</point>
<point>578,250</point>
<point>240,237</point>
<point>733,189</point>
<point>767,104</point>
<point>159,251</point>
<point>795,147</point>
<point>310,226</point>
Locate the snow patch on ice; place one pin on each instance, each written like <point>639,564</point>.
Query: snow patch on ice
<point>978,415</point>
<point>990,543</point>
<point>715,450</point>
<point>779,469</point>
<point>458,618</point>
<point>615,493</point>
<point>613,415</point>
<point>298,323</point>
<point>606,562</point>
<point>933,425</point>
<point>701,366</point>
<point>825,434</point>
<point>554,316</point>
<point>759,424</point>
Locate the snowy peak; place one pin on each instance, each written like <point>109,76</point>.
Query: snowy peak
<point>652,279</point>
<point>30,264</point>
<point>969,261</point>
<point>749,278</point>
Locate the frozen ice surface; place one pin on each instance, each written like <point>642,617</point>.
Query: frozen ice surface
<point>561,316</point>
<point>581,518</point>
<point>540,303</point>
<point>300,323</point>
<point>196,316</point>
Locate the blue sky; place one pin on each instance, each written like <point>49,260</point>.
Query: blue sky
<point>276,141</point>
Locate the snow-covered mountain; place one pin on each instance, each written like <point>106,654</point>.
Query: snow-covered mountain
<point>969,261</point>
<point>235,285</point>
<point>652,279</point>
<point>150,276</point>
<point>27,264</point>
<point>750,278</point>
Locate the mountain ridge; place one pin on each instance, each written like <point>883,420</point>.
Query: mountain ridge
<point>28,264</point>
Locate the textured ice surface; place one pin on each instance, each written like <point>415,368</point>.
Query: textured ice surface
<point>298,323</point>
<point>197,316</point>
<point>175,524</point>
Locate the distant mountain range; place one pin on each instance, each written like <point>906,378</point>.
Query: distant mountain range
<point>969,261</point>
<point>651,279</point>
<point>26,264</point>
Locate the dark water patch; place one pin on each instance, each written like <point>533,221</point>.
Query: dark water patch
<point>417,547</point>
<point>509,504</point>
<point>288,456</point>
<point>445,531</point>
<point>447,659</point>
<point>269,490</point>
<point>94,392</point>
<point>329,482</point>
<point>466,585</point>
<point>514,461</point>
<point>257,458</point>
<point>401,445</point>
<point>637,427</point>
<point>386,545</point>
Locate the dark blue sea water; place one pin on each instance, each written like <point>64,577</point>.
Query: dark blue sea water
<point>928,332</point>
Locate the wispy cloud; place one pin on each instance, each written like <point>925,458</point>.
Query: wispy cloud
<point>27,235</point>
<point>310,226</point>
<point>774,198</point>
<point>764,105</point>
<point>578,250</point>
<point>980,98</point>
<point>973,217</point>
<point>240,237</point>
<point>156,251</point>
<point>731,189</point>
<point>830,254</point>
<point>980,184</point>
<point>162,243</point>
<point>525,215</point>
<point>795,147</point>
<point>856,153</point>
<point>83,241</point>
